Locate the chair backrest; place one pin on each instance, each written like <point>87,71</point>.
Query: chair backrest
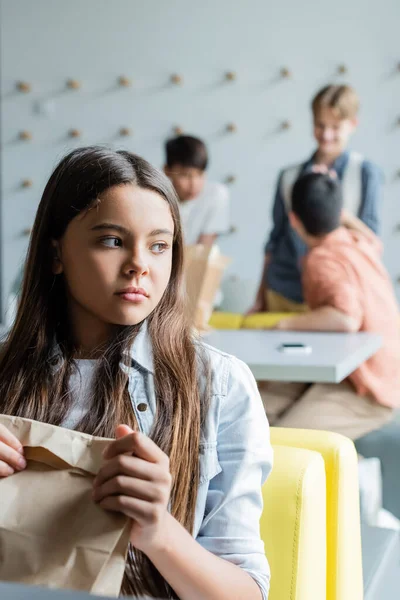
<point>344,558</point>
<point>293,525</point>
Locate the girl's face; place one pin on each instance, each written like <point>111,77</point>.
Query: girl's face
<point>116,259</point>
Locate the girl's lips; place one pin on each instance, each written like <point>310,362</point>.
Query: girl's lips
<point>132,297</point>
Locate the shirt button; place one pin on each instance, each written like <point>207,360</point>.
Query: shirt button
<point>142,407</point>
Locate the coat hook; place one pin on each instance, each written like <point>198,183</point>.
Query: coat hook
<point>74,133</point>
<point>27,231</point>
<point>73,84</point>
<point>25,135</point>
<point>178,130</point>
<point>231,76</point>
<point>285,73</point>
<point>23,86</point>
<point>124,81</point>
<point>26,183</point>
<point>231,128</point>
<point>342,69</point>
<point>230,179</point>
<point>286,125</point>
<point>125,131</point>
<point>176,79</point>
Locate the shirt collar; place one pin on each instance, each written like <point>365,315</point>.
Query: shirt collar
<point>141,351</point>
<point>338,165</point>
<point>340,235</point>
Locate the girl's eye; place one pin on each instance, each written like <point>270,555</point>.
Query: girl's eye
<point>159,247</point>
<point>111,242</point>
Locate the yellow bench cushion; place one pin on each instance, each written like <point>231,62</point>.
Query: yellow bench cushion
<point>223,320</point>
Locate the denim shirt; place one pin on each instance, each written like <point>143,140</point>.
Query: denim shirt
<point>235,455</point>
<point>286,247</point>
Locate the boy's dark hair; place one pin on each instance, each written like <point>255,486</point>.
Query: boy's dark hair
<point>187,151</point>
<point>317,201</point>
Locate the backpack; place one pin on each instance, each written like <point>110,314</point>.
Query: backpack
<point>351,184</point>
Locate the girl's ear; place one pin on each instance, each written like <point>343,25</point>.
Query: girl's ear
<point>56,264</point>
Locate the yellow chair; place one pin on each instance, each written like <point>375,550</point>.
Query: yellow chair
<point>311,523</point>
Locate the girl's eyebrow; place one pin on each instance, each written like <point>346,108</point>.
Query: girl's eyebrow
<point>161,232</point>
<point>126,231</point>
<point>114,226</point>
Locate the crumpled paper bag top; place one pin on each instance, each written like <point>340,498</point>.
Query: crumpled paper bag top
<point>51,532</point>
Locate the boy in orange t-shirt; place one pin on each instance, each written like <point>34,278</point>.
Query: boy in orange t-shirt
<point>346,288</point>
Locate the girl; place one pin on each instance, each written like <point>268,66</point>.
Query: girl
<point>100,344</point>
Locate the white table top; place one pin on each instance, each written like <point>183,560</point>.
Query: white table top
<point>333,357</point>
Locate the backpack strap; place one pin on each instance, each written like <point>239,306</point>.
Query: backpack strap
<point>289,177</point>
<point>352,184</point>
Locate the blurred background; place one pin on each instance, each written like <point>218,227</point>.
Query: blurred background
<point>131,74</point>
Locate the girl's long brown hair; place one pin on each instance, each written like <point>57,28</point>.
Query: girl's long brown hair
<point>34,379</point>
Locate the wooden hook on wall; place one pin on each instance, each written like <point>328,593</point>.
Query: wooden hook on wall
<point>230,179</point>
<point>24,87</point>
<point>285,125</point>
<point>178,130</point>
<point>26,183</point>
<point>176,79</point>
<point>285,73</point>
<point>124,81</point>
<point>74,133</point>
<point>125,131</point>
<point>231,128</point>
<point>230,76</point>
<point>25,136</point>
<point>342,69</point>
<point>73,84</point>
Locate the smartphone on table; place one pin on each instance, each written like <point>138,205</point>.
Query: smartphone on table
<point>295,348</point>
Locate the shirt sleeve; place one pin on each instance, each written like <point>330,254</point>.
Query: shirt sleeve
<point>218,220</point>
<point>279,217</point>
<point>234,504</point>
<point>372,196</point>
<point>327,282</point>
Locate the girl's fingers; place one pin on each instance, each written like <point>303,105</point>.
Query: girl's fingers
<point>122,485</point>
<point>127,465</point>
<point>138,444</point>
<point>5,469</point>
<point>10,440</point>
<point>139,510</point>
<point>11,457</point>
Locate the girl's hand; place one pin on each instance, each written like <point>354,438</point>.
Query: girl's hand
<point>11,453</point>
<point>136,481</point>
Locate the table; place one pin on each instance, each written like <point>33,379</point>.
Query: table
<point>333,357</point>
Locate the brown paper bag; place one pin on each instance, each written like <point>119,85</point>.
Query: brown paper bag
<point>204,267</point>
<point>51,532</point>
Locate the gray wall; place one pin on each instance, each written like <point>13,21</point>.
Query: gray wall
<point>94,41</point>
